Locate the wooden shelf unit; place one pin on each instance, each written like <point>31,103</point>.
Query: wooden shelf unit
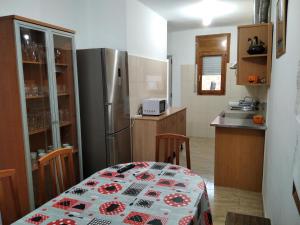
<point>19,71</point>
<point>258,64</point>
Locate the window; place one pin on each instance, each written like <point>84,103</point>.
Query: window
<point>212,54</point>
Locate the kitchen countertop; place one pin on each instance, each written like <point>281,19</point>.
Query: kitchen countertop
<point>222,121</point>
<point>170,111</point>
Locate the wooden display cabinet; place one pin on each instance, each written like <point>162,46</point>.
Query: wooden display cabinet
<point>259,64</point>
<point>39,96</point>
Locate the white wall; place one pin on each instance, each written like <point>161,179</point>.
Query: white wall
<point>281,134</point>
<point>181,45</point>
<point>102,24</point>
<point>116,24</point>
<point>146,31</point>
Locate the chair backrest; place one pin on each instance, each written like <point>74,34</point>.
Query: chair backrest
<point>172,144</point>
<point>10,174</point>
<point>61,172</point>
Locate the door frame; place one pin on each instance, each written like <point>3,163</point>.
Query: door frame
<point>170,80</point>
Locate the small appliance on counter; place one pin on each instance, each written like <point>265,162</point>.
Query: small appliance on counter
<point>154,106</point>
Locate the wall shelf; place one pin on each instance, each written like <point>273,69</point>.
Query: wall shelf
<point>255,56</point>
<point>258,64</point>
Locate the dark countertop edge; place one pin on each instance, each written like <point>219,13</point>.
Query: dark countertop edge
<point>215,123</point>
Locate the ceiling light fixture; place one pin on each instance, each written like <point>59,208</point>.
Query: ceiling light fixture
<point>206,21</point>
<point>207,10</point>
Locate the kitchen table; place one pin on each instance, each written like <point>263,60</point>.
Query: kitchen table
<point>151,193</point>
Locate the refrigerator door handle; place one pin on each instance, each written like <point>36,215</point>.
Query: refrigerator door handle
<point>109,116</point>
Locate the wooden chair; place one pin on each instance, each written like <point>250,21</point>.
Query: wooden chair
<point>56,162</point>
<point>172,144</point>
<point>9,174</point>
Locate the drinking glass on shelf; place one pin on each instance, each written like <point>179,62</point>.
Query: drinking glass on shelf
<point>35,90</point>
<point>41,53</point>
<point>34,52</point>
<point>27,90</point>
<point>25,55</point>
<point>58,54</point>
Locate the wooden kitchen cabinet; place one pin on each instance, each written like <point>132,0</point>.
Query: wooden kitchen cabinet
<point>259,64</point>
<point>239,157</point>
<point>146,128</point>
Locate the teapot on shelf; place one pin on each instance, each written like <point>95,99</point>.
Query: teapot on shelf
<point>256,46</point>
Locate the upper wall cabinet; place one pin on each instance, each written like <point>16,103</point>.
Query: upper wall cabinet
<point>39,101</point>
<point>255,54</point>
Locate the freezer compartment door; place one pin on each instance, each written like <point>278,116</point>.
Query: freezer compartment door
<point>116,90</point>
<point>119,147</point>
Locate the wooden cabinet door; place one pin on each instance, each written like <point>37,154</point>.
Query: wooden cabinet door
<point>162,126</point>
<point>181,122</point>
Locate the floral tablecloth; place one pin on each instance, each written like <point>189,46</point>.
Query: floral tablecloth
<point>151,193</point>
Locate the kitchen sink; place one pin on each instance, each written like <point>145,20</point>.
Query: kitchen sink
<point>234,114</point>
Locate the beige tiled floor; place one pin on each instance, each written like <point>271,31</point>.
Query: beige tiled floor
<point>222,199</point>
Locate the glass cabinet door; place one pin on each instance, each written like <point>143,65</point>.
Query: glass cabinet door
<point>63,53</point>
<point>36,88</point>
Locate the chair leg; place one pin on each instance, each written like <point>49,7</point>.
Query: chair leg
<point>188,157</point>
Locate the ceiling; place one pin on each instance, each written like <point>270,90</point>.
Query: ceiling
<point>183,14</point>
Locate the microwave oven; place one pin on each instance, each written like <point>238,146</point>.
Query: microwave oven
<point>154,106</point>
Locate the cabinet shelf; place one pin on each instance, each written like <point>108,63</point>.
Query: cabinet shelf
<point>36,97</point>
<point>45,96</point>
<point>255,56</point>
<point>41,130</point>
<point>65,124</point>
<point>37,131</point>
<point>63,94</point>
<point>61,64</point>
<point>32,62</point>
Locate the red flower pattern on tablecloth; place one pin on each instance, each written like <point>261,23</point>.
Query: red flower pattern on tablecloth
<point>186,220</point>
<point>166,182</point>
<point>37,219</point>
<point>63,222</point>
<point>65,203</point>
<point>153,193</point>
<point>112,208</point>
<point>136,218</point>
<point>174,167</point>
<point>91,183</point>
<point>141,164</point>
<point>189,172</point>
<point>177,200</point>
<point>145,176</point>
<point>112,188</point>
<point>108,174</point>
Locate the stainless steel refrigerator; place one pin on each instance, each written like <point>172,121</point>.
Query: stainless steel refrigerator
<point>104,108</point>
